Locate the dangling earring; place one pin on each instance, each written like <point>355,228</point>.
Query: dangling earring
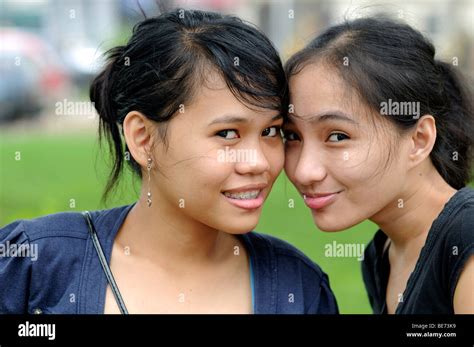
<point>148,200</point>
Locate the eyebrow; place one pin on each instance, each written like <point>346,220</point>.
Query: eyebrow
<point>238,119</point>
<point>325,116</point>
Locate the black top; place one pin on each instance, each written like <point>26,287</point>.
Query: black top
<point>430,287</point>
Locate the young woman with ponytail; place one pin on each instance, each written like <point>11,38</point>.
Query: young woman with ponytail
<point>188,88</point>
<point>380,129</point>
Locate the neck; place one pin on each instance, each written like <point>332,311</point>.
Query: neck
<point>164,234</point>
<point>408,219</point>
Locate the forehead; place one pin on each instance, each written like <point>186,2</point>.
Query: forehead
<point>213,98</point>
<point>317,88</point>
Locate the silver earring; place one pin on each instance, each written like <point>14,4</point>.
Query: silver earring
<point>148,166</point>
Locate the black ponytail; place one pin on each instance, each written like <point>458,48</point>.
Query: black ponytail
<point>452,153</point>
<point>102,95</point>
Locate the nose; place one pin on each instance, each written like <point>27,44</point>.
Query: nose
<point>252,161</point>
<point>309,168</point>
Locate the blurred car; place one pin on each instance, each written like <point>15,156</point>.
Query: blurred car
<point>31,74</point>
<point>19,90</point>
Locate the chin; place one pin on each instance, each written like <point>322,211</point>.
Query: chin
<point>335,225</point>
<point>240,225</point>
<point>330,228</point>
<point>240,229</point>
<point>330,224</point>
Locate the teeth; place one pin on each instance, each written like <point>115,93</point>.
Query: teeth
<point>252,194</point>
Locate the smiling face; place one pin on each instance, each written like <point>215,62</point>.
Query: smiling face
<point>220,160</point>
<point>337,153</point>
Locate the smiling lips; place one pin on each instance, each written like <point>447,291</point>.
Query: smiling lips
<point>248,197</point>
<point>251,197</point>
<point>318,201</point>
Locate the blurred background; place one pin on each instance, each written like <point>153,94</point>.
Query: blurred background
<point>50,159</point>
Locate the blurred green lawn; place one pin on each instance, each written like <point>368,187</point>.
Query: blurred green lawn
<point>55,169</point>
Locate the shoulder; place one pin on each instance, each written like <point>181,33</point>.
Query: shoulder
<point>459,225</point>
<point>457,236</point>
<point>60,235</point>
<point>24,243</point>
<point>65,225</point>
<point>45,256</point>
<point>297,275</point>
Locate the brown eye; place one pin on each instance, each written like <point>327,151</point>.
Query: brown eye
<point>271,131</point>
<point>228,134</point>
<point>290,136</point>
<point>337,137</point>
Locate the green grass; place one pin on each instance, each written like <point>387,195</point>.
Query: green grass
<point>64,173</point>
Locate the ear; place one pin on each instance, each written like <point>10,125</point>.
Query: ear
<point>138,131</point>
<point>423,139</point>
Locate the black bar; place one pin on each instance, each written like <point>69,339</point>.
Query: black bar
<point>311,331</point>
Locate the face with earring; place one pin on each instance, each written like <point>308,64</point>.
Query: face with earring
<point>218,162</point>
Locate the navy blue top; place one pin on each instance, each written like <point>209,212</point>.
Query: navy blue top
<point>65,275</point>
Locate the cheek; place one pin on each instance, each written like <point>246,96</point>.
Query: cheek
<point>207,173</point>
<point>195,175</point>
<point>291,161</point>
<point>276,159</point>
<point>356,167</point>
<point>370,184</point>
